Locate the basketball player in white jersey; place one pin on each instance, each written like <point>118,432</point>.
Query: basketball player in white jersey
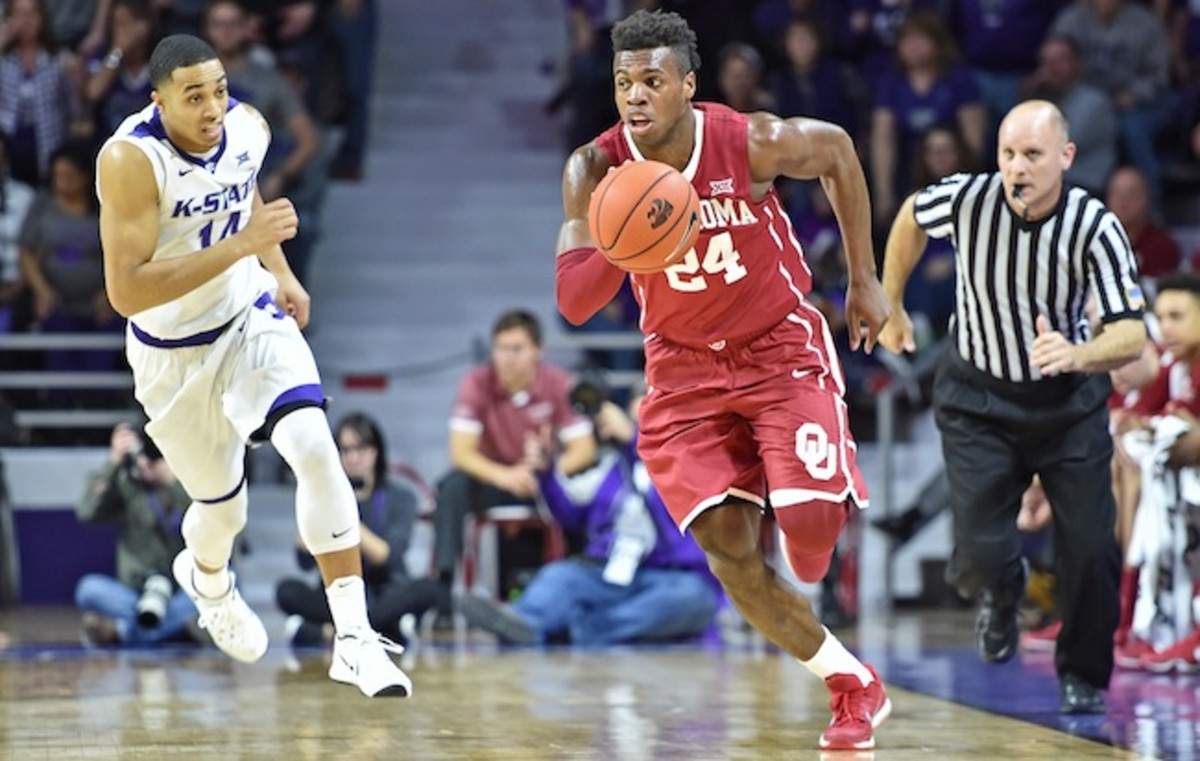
<point>192,257</point>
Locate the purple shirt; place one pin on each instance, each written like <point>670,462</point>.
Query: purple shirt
<point>596,517</point>
<point>986,30</point>
<point>918,113</point>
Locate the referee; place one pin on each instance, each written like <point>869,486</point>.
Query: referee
<point>1023,390</point>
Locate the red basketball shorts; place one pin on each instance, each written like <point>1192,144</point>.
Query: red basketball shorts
<point>763,419</point>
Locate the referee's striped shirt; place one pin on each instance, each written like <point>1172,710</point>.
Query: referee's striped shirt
<point>1010,271</point>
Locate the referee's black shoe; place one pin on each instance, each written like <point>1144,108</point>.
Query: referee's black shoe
<point>1080,697</point>
<point>996,625</point>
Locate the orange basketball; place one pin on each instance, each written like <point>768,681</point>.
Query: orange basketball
<point>644,216</point>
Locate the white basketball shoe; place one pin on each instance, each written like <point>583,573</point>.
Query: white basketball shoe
<point>360,657</point>
<point>234,628</point>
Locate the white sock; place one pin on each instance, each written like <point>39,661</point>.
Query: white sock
<point>832,657</point>
<point>211,585</point>
<point>348,604</point>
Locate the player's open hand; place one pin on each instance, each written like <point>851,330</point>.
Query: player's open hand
<point>897,334</point>
<point>867,311</point>
<point>271,224</point>
<point>1051,353</point>
<point>293,299</point>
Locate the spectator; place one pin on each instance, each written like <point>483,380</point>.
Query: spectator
<point>587,85</point>
<point>61,258</point>
<point>930,290</point>
<point>1088,110</point>
<point>353,24</point>
<point>181,16</point>
<point>831,19</point>
<point>1174,393</point>
<point>78,24</point>
<point>639,578</point>
<point>118,84</point>
<point>1184,29</point>
<point>874,27</point>
<point>924,90</point>
<point>739,78</point>
<point>292,29</point>
<point>986,32</point>
<point>1125,54</point>
<point>1129,198</point>
<point>1128,383</point>
<point>815,85</point>
<point>500,406</point>
<point>227,28</point>
<point>15,199</point>
<point>38,90</point>
<point>387,514</point>
<point>136,490</point>
<point>295,140</point>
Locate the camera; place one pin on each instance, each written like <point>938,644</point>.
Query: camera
<point>146,446</point>
<point>589,394</point>
<point>152,605</point>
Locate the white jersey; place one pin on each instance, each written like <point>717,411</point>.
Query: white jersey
<point>202,200</point>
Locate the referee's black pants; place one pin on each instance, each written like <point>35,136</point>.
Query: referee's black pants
<point>996,436</point>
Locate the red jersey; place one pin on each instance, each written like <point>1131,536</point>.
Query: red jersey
<point>1176,386</point>
<point>503,420</point>
<point>747,271</point>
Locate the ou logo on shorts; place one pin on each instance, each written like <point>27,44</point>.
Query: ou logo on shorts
<point>814,450</point>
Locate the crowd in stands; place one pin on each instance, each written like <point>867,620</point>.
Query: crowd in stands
<point>72,70</point>
<point>921,85</point>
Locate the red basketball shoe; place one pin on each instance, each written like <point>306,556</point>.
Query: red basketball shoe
<point>857,711</point>
<point>1182,656</point>
<point>1130,654</point>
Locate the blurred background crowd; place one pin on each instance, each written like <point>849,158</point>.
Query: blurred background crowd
<point>72,70</point>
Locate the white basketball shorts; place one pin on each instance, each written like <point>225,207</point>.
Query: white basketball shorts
<point>208,396</point>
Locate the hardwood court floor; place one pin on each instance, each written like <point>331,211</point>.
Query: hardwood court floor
<point>474,701</point>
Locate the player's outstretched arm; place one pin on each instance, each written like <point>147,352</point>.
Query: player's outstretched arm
<point>811,149</point>
<point>129,230</point>
<point>905,244</point>
<point>584,280</point>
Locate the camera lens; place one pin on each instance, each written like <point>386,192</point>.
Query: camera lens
<point>152,605</point>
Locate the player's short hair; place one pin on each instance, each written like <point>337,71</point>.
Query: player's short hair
<point>519,318</point>
<point>177,51</point>
<point>661,29</point>
<point>1179,281</point>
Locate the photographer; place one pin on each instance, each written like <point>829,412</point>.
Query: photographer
<point>135,489</point>
<point>638,579</point>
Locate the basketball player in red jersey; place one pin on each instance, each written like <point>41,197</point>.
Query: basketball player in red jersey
<point>745,390</point>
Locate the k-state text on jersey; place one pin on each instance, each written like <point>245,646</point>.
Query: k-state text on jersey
<point>218,200</point>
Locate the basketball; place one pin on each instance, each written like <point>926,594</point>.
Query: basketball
<point>644,216</point>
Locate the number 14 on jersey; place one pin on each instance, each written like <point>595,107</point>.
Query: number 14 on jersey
<point>229,228</point>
